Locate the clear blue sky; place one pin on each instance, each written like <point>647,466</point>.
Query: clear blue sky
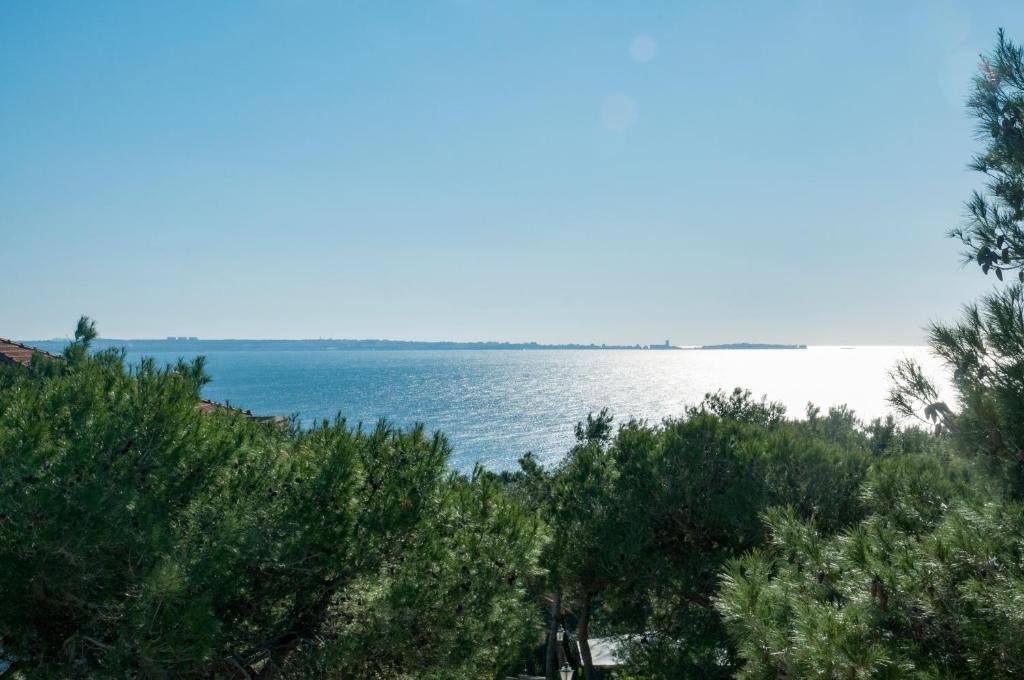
<point>606,172</point>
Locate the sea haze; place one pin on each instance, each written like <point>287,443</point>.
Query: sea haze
<point>495,405</point>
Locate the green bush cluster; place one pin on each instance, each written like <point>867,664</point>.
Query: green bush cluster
<point>141,537</point>
<point>643,516</point>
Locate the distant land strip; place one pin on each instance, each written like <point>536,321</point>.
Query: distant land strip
<point>194,344</point>
<point>751,345</point>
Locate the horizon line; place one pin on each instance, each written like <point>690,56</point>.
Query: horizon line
<point>610,345</point>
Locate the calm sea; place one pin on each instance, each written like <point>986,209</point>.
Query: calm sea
<point>495,405</point>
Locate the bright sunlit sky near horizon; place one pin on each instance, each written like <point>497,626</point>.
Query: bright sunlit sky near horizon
<point>588,172</point>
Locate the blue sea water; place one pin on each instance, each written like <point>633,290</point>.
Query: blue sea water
<point>496,405</point>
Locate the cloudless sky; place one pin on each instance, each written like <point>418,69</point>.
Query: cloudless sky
<point>550,171</point>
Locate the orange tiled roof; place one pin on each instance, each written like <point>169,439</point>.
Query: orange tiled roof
<point>208,406</point>
<point>16,353</point>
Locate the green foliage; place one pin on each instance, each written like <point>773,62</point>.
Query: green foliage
<point>643,517</point>
<point>994,230</point>
<point>721,474</point>
<point>454,606</point>
<point>141,537</point>
<point>930,588</point>
<point>985,350</point>
<point>985,354</point>
<point>930,583</point>
<point>741,406</point>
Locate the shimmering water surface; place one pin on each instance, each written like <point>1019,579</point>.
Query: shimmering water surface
<point>496,405</point>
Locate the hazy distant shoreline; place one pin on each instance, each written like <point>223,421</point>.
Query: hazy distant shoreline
<point>199,345</point>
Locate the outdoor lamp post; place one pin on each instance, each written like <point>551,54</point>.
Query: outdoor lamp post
<point>565,671</point>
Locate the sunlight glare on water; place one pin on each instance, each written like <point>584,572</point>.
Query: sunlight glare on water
<point>495,405</point>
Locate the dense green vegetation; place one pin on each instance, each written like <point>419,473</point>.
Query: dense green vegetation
<point>142,538</point>
<point>643,517</point>
<point>931,582</point>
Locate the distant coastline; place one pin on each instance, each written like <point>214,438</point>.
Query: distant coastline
<point>752,345</point>
<point>193,344</point>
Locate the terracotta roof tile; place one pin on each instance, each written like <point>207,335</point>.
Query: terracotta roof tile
<point>12,352</point>
<point>208,406</point>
